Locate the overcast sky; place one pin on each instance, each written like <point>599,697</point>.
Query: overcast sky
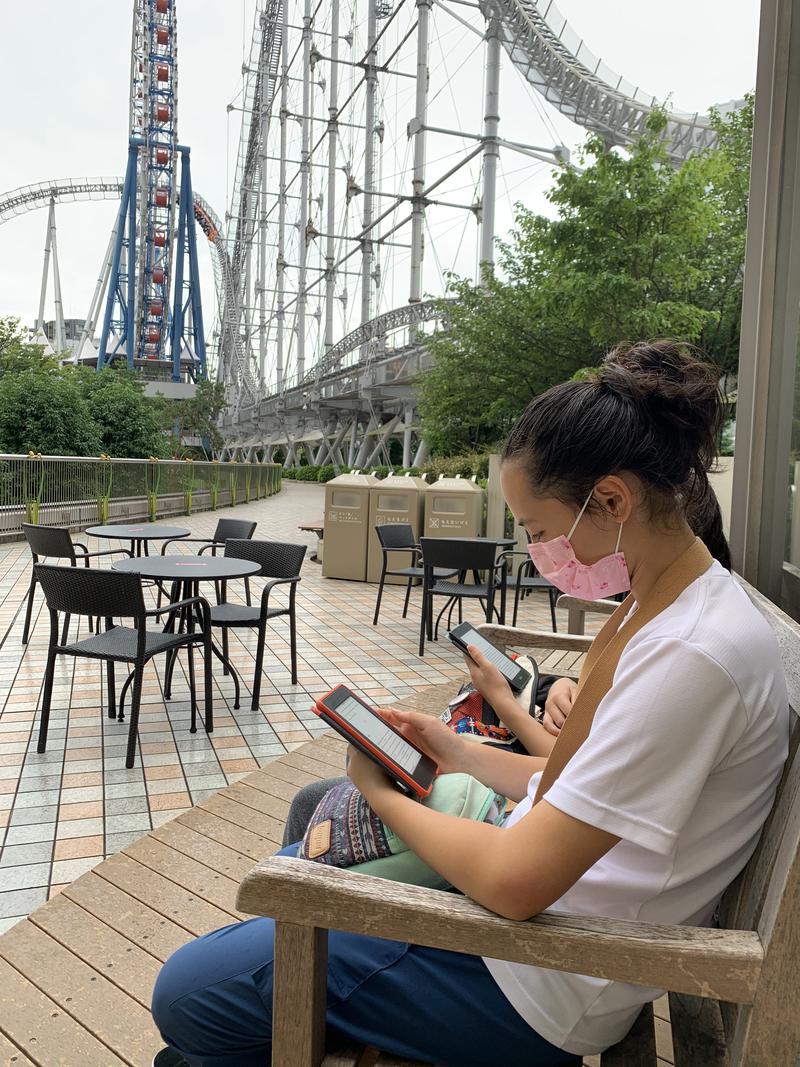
<point>64,71</point>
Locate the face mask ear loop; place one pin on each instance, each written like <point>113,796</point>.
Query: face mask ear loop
<point>619,537</point>
<point>574,526</point>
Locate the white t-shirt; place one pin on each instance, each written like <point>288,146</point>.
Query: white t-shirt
<point>682,763</point>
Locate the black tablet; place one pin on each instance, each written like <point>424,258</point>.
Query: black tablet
<point>466,634</point>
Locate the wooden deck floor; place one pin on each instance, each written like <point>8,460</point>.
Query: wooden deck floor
<point>76,976</point>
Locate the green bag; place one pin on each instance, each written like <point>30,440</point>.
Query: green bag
<point>345,832</point>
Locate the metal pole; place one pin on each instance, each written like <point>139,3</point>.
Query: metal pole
<point>417,128</point>
<point>60,331</point>
<point>371,91</point>
<point>280,267</point>
<point>408,418</point>
<point>94,308</point>
<point>46,270</point>
<point>491,149</point>
<point>304,174</point>
<point>262,227</point>
<point>333,141</point>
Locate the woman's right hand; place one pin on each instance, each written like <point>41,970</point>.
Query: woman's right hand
<point>558,705</point>
<point>432,736</point>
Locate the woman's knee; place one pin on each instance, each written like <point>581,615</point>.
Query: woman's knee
<point>303,806</point>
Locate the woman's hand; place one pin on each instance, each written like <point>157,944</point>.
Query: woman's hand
<point>558,705</point>
<point>487,679</point>
<point>430,734</point>
<point>367,777</point>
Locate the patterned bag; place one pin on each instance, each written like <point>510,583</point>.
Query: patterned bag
<point>470,714</point>
<point>345,832</point>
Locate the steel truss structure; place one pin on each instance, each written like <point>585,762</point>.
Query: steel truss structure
<point>312,216</point>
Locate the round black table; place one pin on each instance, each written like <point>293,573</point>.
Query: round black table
<point>185,573</point>
<point>139,534</point>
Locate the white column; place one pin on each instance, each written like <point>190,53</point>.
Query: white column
<point>333,142</point>
<point>305,167</point>
<point>418,129</point>
<point>371,90</point>
<point>491,149</point>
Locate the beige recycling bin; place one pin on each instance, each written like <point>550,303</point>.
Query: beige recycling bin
<point>398,498</point>
<point>347,526</point>
<point>453,508</point>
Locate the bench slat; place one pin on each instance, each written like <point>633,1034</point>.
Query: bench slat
<point>212,826</point>
<point>264,825</point>
<point>121,912</point>
<point>161,894</point>
<point>215,887</point>
<point>261,802</point>
<point>292,775</point>
<point>321,768</point>
<point>269,783</point>
<point>99,946</point>
<point>10,1055</point>
<point>60,1042</point>
<point>202,849</point>
<point>106,1013</point>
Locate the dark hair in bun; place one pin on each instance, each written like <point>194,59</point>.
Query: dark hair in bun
<point>652,408</point>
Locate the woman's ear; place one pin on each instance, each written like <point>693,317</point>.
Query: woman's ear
<point>615,497</point>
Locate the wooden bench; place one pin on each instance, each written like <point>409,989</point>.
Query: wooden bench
<point>734,991</point>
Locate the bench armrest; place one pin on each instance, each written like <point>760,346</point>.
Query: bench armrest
<point>724,964</point>
<point>510,636</point>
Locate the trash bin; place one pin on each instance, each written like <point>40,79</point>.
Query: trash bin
<point>398,498</point>
<point>347,526</point>
<point>453,508</point>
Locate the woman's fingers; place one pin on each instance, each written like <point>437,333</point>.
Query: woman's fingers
<point>549,725</point>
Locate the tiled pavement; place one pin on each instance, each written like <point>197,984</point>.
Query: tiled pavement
<point>63,811</point>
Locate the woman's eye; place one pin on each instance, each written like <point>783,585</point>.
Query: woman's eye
<point>536,537</point>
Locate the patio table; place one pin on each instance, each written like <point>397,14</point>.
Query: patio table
<point>185,573</point>
<point>139,535</point>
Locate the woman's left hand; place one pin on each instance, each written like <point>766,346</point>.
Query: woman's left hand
<point>487,679</point>
<point>367,777</point>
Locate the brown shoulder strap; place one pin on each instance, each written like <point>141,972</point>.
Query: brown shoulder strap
<point>603,656</point>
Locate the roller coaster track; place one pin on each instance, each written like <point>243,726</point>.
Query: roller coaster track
<point>557,63</point>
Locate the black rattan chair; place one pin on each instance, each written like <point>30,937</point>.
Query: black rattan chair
<point>241,529</point>
<point>399,537</point>
<point>113,594</point>
<point>461,555</point>
<point>527,580</point>
<point>280,563</point>
<point>55,542</point>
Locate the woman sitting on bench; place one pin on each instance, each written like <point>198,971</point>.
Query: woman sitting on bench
<point>649,804</point>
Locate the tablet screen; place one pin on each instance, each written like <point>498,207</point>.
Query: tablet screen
<point>506,666</point>
<point>375,730</point>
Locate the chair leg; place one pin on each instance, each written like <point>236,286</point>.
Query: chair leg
<point>260,642</point>
<point>408,597</point>
<point>47,697</point>
<point>423,620</point>
<point>516,604</point>
<point>65,631</point>
<point>136,701</point>
<point>380,594</point>
<point>207,679</point>
<point>225,669</point>
<point>112,699</point>
<point>247,592</point>
<point>553,597</point>
<point>293,644</point>
<point>27,627</point>
<point>192,689</point>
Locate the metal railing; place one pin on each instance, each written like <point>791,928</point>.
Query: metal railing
<point>75,492</point>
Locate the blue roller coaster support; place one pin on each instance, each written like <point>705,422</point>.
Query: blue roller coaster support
<point>119,317</point>
<point>188,336</point>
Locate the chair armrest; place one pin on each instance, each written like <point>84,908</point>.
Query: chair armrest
<point>201,602</point>
<point>724,964</point>
<point>105,552</point>
<point>193,540</point>
<point>212,545</point>
<point>504,636</point>
<point>265,592</point>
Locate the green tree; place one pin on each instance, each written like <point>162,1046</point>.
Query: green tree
<point>45,413</point>
<point>128,422</point>
<point>637,250</point>
<point>196,416</point>
<point>18,354</point>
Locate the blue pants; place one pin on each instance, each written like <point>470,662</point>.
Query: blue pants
<point>212,1002</point>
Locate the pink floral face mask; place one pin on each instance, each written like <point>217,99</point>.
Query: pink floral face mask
<point>556,561</point>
